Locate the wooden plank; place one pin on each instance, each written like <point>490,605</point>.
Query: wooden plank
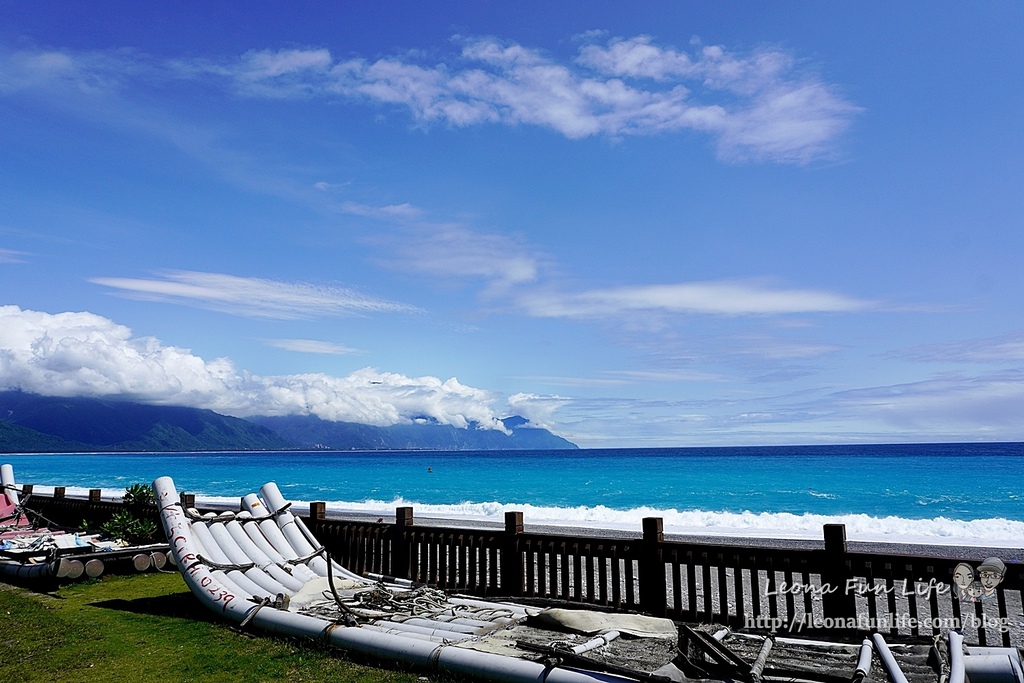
<point>565,592</point>
<point>691,586</point>
<point>705,577</point>
<point>737,588</point>
<point>723,590</point>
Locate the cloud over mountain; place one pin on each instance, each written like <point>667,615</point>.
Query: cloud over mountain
<point>84,354</point>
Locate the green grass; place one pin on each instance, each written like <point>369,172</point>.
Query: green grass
<point>149,627</point>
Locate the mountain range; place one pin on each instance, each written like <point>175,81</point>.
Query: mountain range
<point>30,423</point>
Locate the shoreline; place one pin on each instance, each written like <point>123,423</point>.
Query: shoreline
<point>960,551</point>
<point>955,548</point>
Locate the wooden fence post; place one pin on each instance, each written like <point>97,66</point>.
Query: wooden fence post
<point>401,541</point>
<point>94,495</point>
<point>838,601</point>
<point>653,591</point>
<point>511,556</point>
<point>318,510</point>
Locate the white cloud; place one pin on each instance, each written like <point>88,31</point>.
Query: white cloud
<point>755,106</point>
<point>538,409</point>
<point>311,346</point>
<point>713,297</point>
<point>252,297</point>
<point>83,354</point>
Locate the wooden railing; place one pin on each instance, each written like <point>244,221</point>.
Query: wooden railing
<point>816,591</point>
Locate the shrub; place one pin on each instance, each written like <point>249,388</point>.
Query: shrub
<point>131,524</point>
<point>139,495</point>
<point>127,527</point>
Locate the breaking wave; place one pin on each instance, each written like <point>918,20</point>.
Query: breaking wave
<point>997,532</point>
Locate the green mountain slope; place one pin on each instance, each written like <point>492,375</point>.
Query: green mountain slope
<point>35,423</point>
<point>31,423</point>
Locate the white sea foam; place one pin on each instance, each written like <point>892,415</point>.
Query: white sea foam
<point>995,532</point>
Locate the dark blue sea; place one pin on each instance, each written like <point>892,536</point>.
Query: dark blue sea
<point>939,493</point>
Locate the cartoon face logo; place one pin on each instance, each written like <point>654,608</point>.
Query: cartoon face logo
<point>963,575</point>
<point>974,586</point>
<point>990,573</point>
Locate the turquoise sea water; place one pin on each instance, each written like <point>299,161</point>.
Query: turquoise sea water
<point>942,492</point>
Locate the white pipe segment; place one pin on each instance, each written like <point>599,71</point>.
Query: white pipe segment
<point>252,530</point>
<point>596,642</point>
<point>889,663</point>
<point>226,581</point>
<point>956,657</point>
<point>338,568</point>
<point>250,549</point>
<point>200,580</point>
<point>437,633</point>
<point>384,644</point>
<point>235,554</point>
<point>403,634</point>
<point>446,626</point>
<point>252,504</point>
<point>255,533</point>
<point>286,521</point>
<point>298,536</point>
<point>7,479</point>
<point>864,659</point>
<point>207,543</point>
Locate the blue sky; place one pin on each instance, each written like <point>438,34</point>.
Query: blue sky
<point>636,224</point>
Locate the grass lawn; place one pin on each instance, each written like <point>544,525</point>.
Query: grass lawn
<point>149,627</point>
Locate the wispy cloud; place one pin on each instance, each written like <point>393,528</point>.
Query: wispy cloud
<point>987,405</point>
<point>758,105</point>
<point>391,211</point>
<point>665,376</point>
<point>724,297</point>
<point>311,346</point>
<point>450,250</point>
<point>456,251</point>
<point>83,354</point>
<point>12,256</point>
<point>251,297</point>
<point>1004,349</point>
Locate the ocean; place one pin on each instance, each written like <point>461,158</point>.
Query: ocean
<point>918,493</point>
